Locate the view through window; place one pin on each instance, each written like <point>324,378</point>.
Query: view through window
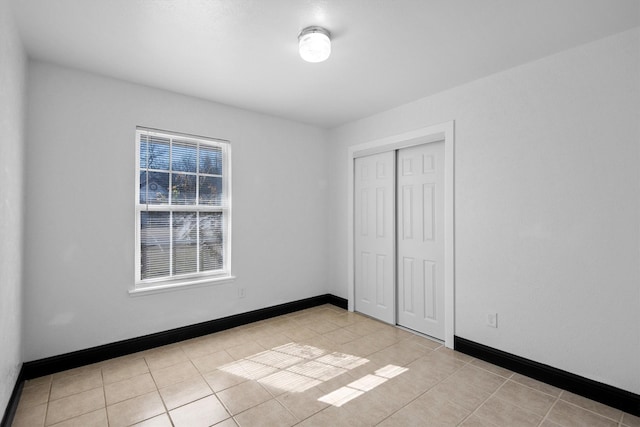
<point>182,208</point>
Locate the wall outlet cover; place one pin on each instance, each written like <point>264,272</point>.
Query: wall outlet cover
<point>492,320</point>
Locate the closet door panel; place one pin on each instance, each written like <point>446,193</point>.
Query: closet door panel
<point>374,240</point>
<point>420,245</point>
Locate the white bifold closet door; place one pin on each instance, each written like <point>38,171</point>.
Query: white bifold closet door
<point>399,237</point>
<point>374,240</point>
<point>420,238</point>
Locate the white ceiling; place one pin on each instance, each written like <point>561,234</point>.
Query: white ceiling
<point>244,52</point>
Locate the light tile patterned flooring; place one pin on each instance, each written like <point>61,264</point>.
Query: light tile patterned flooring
<point>318,367</point>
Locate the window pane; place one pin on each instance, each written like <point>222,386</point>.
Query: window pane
<point>154,244</point>
<point>211,160</point>
<point>185,248</point>
<point>211,252</point>
<point>182,177</point>
<point>183,189</point>
<point>144,149</point>
<point>154,187</point>
<point>210,190</point>
<point>183,157</point>
<point>154,152</point>
<point>143,186</point>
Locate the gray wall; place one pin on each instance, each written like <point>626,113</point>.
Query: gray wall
<point>12,86</point>
<point>80,211</point>
<point>547,188</point>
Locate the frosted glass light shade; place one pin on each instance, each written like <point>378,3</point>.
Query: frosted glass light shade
<point>314,44</point>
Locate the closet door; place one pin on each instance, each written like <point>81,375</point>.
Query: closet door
<point>374,236</point>
<point>420,238</point>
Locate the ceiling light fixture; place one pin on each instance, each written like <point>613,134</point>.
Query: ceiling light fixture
<point>314,44</point>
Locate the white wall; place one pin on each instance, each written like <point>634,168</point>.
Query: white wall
<point>547,206</point>
<point>80,211</point>
<point>12,86</point>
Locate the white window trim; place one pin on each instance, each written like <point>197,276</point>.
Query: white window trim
<point>179,285</point>
<point>158,285</point>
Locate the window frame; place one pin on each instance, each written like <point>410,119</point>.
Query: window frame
<point>173,282</point>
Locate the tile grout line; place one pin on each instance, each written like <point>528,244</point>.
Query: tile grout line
<point>46,412</point>
<point>468,363</point>
<point>104,395</point>
<point>589,410</point>
<point>425,392</point>
<point>556,399</point>
<point>68,396</point>
<point>510,378</point>
<point>164,405</point>
<point>485,401</point>
<point>286,409</point>
<point>546,416</point>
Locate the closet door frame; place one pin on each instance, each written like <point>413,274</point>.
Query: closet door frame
<point>440,132</point>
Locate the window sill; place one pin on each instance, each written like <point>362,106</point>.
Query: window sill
<point>176,286</point>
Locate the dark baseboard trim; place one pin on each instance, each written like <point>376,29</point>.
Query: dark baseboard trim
<point>12,405</point>
<point>338,301</point>
<point>75,359</point>
<point>594,390</point>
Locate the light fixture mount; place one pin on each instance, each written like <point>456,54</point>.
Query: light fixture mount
<point>314,44</point>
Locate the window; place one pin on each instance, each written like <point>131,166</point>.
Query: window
<point>182,209</point>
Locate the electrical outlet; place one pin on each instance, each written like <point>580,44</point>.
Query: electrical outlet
<point>492,320</point>
<point>241,293</point>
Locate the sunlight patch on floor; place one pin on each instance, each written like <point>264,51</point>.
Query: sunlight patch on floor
<point>357,388</point>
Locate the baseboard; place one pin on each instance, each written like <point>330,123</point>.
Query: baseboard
<point>338,301</point>
<point>594,390</point>
<point>12,405</point>
<point>75,359</point>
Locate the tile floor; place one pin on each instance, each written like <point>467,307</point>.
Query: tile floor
<point>318,367</point>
